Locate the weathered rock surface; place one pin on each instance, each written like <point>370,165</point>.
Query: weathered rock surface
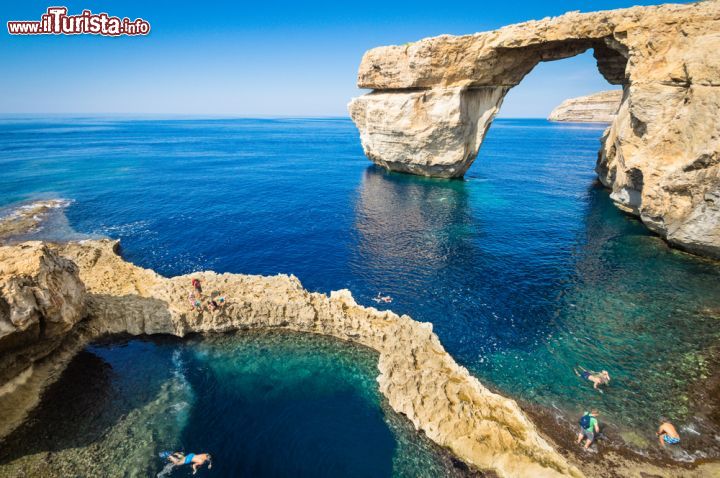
<point>41,299</point>
<point>661,156</point>
<point>599,107</point>
<point>429,133</point>
<point>418,377</point>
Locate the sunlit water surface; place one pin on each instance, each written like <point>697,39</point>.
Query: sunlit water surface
<point>525,268</point>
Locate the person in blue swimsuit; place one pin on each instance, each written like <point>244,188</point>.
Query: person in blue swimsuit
<point>667,434</point>
<point>195,459</point>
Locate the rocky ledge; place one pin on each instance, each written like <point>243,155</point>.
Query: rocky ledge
<point>433,101</point>
<point>599,107</point>
<point>54,299</point>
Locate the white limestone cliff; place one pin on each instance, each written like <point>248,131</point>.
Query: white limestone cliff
<point>600,107</point>
<point>433,101</point>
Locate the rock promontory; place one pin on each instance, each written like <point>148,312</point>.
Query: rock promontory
<point>83,290</point>
<point>599,107</point>
<point>432,102</point>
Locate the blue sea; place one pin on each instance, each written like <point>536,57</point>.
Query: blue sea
<point>525,268</point>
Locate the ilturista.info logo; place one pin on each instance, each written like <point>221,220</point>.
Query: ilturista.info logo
<point>57,22</point>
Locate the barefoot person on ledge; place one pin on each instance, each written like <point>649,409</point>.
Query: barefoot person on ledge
<point>588,428</point>
<point>667,434</point>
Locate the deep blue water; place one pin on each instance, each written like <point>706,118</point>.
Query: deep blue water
<point>263,404</point>
<point>525,268</point>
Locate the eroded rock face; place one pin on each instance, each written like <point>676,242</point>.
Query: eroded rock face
<point>661,157</point>
<point>599,107</point>
<point>418,377</point>
<point>41,299</point>
<point>394,128</point>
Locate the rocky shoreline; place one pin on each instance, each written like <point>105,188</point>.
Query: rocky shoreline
<point>432,102</point>
<point>97,294</point>
<point>418,378</point>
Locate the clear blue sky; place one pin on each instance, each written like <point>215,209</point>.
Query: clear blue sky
<point>260,58</point>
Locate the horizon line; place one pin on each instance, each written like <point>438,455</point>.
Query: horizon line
<point>207,115</point>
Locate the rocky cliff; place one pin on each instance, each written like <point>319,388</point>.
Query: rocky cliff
<point>599,107</point>
<point>41,300</point>
<point>46,290</point>
<point>433,101</point>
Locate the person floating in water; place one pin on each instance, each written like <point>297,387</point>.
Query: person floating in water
<point>667,434</point>
<point>380,298</point>
<point>597,378</point>
<point>196,460</point>
<point>589,427</point>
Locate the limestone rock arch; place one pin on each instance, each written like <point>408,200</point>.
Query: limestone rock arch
<point>433,101</point>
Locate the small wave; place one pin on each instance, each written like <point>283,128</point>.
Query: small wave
<point>127,229</point>
<point>689,429</point>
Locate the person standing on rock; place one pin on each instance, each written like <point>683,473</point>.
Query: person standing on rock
<point>589,427</point>
<point>198,288</point>
<point>195,296</point>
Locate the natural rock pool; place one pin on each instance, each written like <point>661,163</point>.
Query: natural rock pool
<point>264,404</point>
<point>525,268</point>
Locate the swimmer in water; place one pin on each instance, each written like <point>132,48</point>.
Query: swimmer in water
<point>380,298</point>
<point>196,460</point>
<point>597,378</point>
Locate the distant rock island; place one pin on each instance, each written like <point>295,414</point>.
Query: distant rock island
<point>432,102</point>
<point>599,107</point>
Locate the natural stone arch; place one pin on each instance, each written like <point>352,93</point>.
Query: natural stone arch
<point>433,101</point>
<point>438,131</point>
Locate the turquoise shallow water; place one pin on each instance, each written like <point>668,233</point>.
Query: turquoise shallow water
<point>525,268</point>
<point>264,404</point>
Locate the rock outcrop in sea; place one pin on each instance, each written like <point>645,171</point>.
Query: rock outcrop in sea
<point>600,107</point>
<point>433,101</point>
<point>58,298</point>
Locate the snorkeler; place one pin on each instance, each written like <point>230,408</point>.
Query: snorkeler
<point>597,378</point>
<point>196,460</point>
<point>667,434</point>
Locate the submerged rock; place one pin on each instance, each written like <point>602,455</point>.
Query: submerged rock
<point>599,107</point>
<point>27,218</point>
<point>433,101</point>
